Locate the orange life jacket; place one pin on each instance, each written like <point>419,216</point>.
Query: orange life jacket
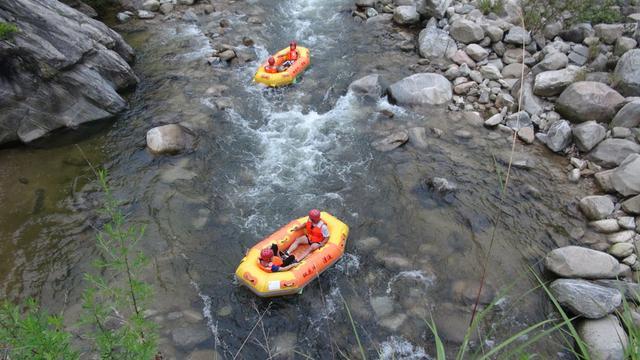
<point>293,55</point>
<point>270,69</point>
<point>277,261</point>
<point>314,233</point>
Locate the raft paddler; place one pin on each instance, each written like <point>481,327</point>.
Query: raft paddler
<point>292,55</point>
<point>271,67</point>
<point>316,234</point>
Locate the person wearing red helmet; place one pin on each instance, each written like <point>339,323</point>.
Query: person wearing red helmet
<point>271,68</point>
<point>272,262</point>
<point>316,234</point>
<point>292,55</point>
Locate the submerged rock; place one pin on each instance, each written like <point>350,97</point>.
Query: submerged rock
<point>372,86</point>
<point>61,68</point>
<point>585,298</point>
<point>579,262</point>
<point>391,142</point>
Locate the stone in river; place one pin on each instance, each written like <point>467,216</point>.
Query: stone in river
<point>605,338</point>
<point>579,262</point>
<point>584,298</point>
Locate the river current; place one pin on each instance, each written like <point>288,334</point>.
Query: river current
<point>266,156</point>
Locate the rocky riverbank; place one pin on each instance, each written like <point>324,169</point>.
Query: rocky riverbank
<point>572,88</point>
<point>59,70</point>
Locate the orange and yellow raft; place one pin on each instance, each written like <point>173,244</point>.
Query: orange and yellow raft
<point>287,76</point>
<point>267,284</point>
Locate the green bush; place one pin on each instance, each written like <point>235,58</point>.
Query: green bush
<point>538,13</point>
<point>33,334</point>
<point>491,6</point>
<point>7,30</point>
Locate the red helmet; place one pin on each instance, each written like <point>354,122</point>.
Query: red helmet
<point>314,215</point>
<point>271,60</point>
<point>266,254</point>
<point>292,45</point>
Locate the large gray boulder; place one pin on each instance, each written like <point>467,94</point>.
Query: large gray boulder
<point>605,338</point>
<point>436,44</point>
<point>466,31</point>
<point>432,8</point>
<point>406,15</point>
<point>632,206</point>
<point>372,86</point>
<point>61,69</point>
<point>579,262</point>
<point>587,100</point>
<point>609,33</point>
<point>626,177</point>
<point>169,139</point>
<point>552,83</point>
<point>611,152</point>
<point>530,102</point>
<point>517,36</point>
<point>423,89</point>
<point>588,134</point>
<point>553,61</point>
<point>628,73</point>
<point>596,207</point>
<point>584,298</point>
<point>628,116</point>
<point>559,136</point>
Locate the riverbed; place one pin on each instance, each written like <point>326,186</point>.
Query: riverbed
<point>265,156</point>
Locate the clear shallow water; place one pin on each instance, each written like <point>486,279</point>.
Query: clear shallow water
<point>269,157</point>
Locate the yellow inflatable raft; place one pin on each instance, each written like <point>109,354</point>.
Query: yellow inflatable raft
<point>287,76</point>
<point>267,284</point>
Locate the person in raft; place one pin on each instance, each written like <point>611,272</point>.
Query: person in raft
<point>272,262</point>
<point>316,234</point>
<point>271,68</point>
<point>292,55</point>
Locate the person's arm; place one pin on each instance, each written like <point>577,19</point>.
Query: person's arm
<point>297,227</point>
<point>325,234</point>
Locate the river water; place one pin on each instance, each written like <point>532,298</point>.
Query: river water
<point>264,157</point>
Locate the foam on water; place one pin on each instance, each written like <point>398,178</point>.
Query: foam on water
<point>348,264</point>
<point>206,312</point>
<point>418,275</point>
<point>399,348</point>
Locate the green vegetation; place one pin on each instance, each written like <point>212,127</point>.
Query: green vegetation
<point>538,13</point>
<point>32,334</point>
<point>491,6</point>
<point>135,337</point>
<point>113,304</point>
<point>7,30</point>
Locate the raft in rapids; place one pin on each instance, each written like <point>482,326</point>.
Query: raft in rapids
<point>287,76</point>
<point>267,284</point>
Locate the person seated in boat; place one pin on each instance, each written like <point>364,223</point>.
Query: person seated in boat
<point>316,234</point>
<point>292,55</point>
<point>272,262</point>
<point>271,68</point>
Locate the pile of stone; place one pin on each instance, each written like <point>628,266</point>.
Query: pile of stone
<point>578,86</point>
<point>150,8</point>
<point>589,288</point>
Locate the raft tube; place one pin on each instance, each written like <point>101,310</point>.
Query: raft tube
<point>287,76</point>
<point>267,284</point>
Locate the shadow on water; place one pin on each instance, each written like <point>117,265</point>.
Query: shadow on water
<point>266,156</point>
